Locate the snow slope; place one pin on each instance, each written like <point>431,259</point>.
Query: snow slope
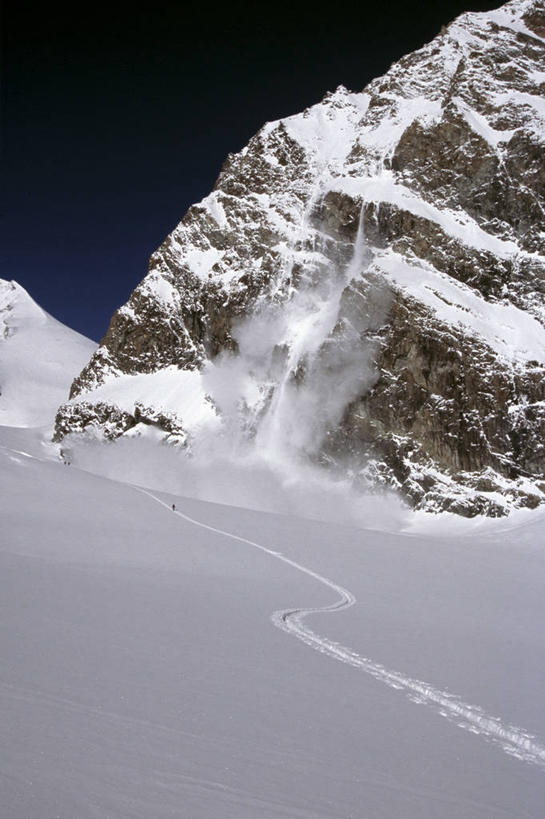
<point>142,675</point>
<point>39,357</point>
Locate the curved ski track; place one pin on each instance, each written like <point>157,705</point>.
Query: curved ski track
<point>513,740</point>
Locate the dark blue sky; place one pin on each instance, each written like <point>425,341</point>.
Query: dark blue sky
<point>116,118</point>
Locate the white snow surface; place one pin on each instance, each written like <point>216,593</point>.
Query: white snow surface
<point>142,674</point>
<point>39,359</point>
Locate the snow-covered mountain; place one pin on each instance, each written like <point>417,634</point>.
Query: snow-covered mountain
<point>39,357</point>
<point>364,288</point>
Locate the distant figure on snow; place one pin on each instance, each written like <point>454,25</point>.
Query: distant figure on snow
<point>173,507</point>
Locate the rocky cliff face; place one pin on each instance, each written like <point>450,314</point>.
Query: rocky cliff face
<point>369,277</point>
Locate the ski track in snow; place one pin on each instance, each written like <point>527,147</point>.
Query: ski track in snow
<point>513,740</point>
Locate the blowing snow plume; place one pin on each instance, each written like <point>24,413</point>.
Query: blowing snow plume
<point>301,358</point>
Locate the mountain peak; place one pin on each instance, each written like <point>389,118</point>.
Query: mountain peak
<point>39,357</point>
<point>15,300</point>
<point>364,287</point>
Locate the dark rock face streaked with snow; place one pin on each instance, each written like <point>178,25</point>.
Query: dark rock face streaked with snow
<point>385,248</point>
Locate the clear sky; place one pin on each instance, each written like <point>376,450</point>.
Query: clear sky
<point>117,117</point>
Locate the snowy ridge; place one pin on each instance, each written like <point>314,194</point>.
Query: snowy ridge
<point>39,357</point>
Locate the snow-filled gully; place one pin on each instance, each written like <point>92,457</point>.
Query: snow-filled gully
<point>513,740</point>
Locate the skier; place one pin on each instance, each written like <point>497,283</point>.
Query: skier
<point>173,507</point>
